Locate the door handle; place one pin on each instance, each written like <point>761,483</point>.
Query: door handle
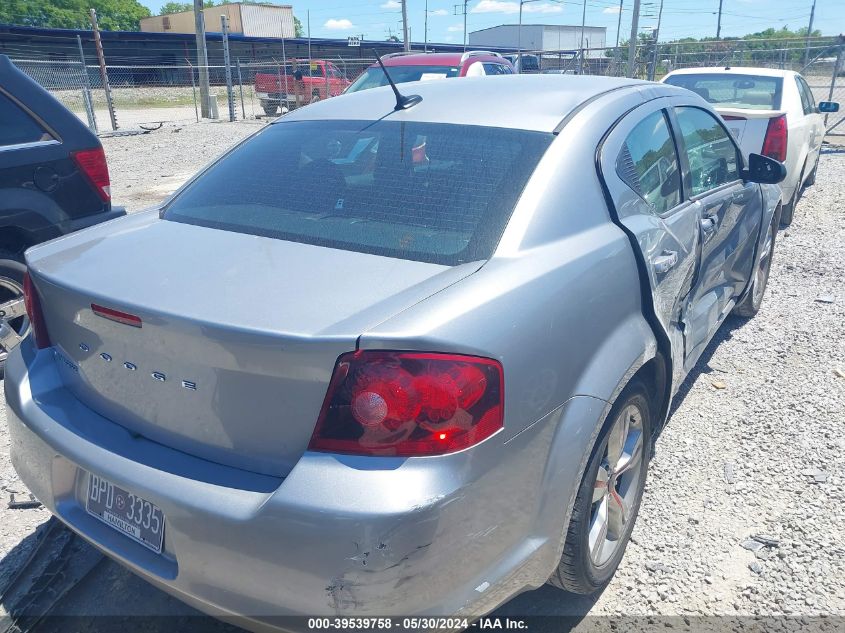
<point>708,226</point>
<point>665,262</point>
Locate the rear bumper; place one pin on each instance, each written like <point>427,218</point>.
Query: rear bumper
<point>337,536</point>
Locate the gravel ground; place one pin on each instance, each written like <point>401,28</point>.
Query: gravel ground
<point>743,508</point>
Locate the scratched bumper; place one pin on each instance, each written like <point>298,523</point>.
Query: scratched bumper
<point>339,535</point>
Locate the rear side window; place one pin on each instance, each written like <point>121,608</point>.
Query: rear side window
<point>713,159</point>
<point>649,165</point>
<point>16,126</point>
<point>808,103</point>
<point>422,191</point>
<point>730,90</point>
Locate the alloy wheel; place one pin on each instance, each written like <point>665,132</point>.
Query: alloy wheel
<point>14,323</point>
<point>616,486</point>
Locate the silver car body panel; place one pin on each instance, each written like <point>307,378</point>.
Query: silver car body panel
<point>261,526</point>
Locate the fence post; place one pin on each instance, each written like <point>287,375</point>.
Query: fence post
<point>86,89</point>
<point>104,75</point>
<point>193,88</point>
<point>224,24</point>
<point>241,88</point>
<point>837,66</point>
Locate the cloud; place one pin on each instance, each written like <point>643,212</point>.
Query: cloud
<point>391,4</point>
<point>613,10</point>
<point>439,12</point>
<point>499,6</point>
<point>456,28</point>
<point>338,25</point>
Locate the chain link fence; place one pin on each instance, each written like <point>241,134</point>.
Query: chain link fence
<point>143,95</point>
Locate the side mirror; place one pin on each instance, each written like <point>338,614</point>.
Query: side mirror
<point>764,170</point>
<point>828,106</point>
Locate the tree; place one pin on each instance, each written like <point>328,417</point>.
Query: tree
<point>297,27</point>
<point>113,15</point>
<point>175,7</point>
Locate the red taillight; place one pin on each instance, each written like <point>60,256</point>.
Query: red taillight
<point>409,404</point>
<point>93,164</point>
<point>36,315</point>
<point>774,145</point>
<point>116,315</point>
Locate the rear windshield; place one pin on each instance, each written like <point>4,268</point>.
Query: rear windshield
<point>374,77</point>
<point>422,191</point>
<point>750,92</point>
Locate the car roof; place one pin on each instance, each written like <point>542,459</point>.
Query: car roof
<point>733,70</point>
<point>527,102</point>
<point>437,59</point>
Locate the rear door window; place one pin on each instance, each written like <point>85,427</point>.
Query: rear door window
<point>17,126</point>
<point>808,102</point>
<point>713,158</point>
<point>422,191</point>
<point>648,163</point>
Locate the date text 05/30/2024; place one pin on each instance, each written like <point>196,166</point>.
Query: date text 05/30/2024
<point>413,624</point>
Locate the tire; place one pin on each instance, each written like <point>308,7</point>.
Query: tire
<point>750,304</point>
<point>811,179</point>
<point>788,210</point>
<point>584,569</point>
<point>269,108</point>
<point>315,97</point>
<point>11,290</point>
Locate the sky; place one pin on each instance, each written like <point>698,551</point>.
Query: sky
<point>376,19</point>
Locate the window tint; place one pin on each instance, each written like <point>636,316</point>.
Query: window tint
<point>16,126</point>
<point>712,156</point>
<point>422,191</point>
<point>808,103</point>
<point>648,163</point>
<point>730,90</point>
<point>496,69</point>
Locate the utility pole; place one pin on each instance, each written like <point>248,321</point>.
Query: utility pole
<point>719,21</point>
<point>583,24</point>
<point>202,58</point>
<point>656,35</point>
<point>425,29</point>
<point>632,43</point>
<point>519,40</point>
<point>809,33</point>
<point>104,75</point>
<point>224,28</point>
<point>405,25</point>
<point>619,23</point>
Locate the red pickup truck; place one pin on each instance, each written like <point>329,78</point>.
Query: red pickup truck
<point>298,83</point>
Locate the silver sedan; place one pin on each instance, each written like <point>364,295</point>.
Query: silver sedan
<point>392,358</point>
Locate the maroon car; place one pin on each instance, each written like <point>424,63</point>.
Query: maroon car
<point>404,67</point>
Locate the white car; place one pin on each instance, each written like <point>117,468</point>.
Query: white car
<point>770,112</point>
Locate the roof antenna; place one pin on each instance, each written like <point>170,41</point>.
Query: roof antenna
<point>402,102</point>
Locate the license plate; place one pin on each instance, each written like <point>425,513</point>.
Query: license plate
<point>126,512</point>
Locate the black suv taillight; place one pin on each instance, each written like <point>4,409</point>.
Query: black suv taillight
<point>409,404</point>
<point>92,163</point>
<point>36,315</point>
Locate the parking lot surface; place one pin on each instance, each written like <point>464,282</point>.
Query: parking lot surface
<point>743,507</point>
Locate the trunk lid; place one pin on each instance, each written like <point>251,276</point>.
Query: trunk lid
<point>239,333</point>
<point>748,126</point>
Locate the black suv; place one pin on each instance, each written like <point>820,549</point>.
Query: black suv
<point>53,180</point>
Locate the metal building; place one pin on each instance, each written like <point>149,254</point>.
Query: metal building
<point>541,37</point>
<point>251,20</point>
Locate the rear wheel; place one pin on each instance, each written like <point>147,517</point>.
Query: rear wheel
<point>789,209</point>
<point>750,304</point>
<point>315,96</point>
<point>609,497</point>
<point>811,179</point>
<point>14,323</point>
<point>269,108</point>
